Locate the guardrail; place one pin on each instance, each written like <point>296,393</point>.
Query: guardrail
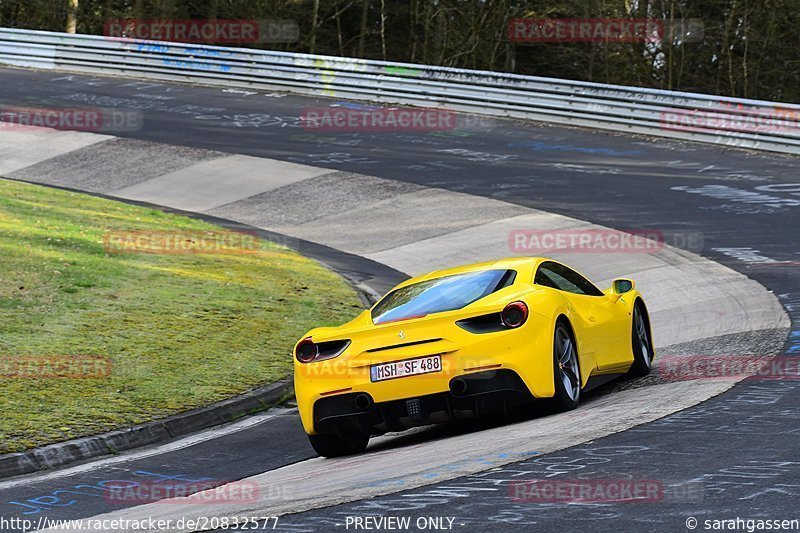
<point>725,121</point>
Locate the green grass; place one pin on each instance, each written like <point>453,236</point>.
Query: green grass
<point>181,330</point>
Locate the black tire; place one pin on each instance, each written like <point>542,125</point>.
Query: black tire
<point>566,369</point>
<point>336,446</point>
<point>641,342</point>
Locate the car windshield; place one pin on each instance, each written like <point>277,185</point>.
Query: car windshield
<point>447,293</point>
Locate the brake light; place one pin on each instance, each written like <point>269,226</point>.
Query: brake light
<point>514,315</point>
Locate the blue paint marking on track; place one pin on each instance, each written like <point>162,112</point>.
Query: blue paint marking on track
<point>548,147</point>
<point>98,490</point>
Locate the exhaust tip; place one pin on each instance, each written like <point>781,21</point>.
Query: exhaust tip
<point>362,402</point>
<point>458,387</point>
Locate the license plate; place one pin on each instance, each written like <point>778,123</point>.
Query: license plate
<point>409,367</point>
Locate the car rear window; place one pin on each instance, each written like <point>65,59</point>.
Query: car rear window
<point>447,293</point>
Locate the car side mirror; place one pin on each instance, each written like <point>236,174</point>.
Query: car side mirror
<point>622,285</point>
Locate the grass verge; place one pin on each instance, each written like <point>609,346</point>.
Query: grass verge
<point>181,330</point>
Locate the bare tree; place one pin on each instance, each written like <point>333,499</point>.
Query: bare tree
<point>314,18</point>
<point>362,36</point>
<point>383,29</point>
<point>72,16</point>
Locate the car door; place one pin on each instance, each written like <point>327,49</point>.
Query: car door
<point>604,318</point>
<point>613,323</point>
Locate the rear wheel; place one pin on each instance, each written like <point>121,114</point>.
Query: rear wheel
<point>337,446</point>
<point>641,343</point>
<point>566,370</point>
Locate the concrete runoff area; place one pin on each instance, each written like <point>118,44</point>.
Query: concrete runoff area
<point>216,182</point>
<point>324,196</point>
<point>23,147</point>
<point>110,165</point>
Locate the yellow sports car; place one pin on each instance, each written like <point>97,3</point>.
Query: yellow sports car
<point>467,342</point>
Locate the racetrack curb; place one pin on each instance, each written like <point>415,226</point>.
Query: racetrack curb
<point>63,453</point>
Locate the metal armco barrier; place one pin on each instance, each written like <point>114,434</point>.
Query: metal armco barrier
<point>725,121</point>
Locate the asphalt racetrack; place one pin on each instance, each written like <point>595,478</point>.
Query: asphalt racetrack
<point>734,455</point>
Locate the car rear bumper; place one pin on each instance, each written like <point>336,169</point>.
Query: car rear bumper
<point>471,395</point>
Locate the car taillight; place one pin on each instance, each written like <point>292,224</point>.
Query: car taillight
<point>306,351</point>
<point>514,315</point>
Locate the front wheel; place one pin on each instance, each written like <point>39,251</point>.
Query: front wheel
<point>566,370</point>
<point>642,343</point>
<point>336,446</point>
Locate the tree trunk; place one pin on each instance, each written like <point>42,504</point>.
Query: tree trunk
<point>383,29</point>
<point>413,17</point>
<point>314,19</point>
<point>72,16</point>
<point>364,16</point>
